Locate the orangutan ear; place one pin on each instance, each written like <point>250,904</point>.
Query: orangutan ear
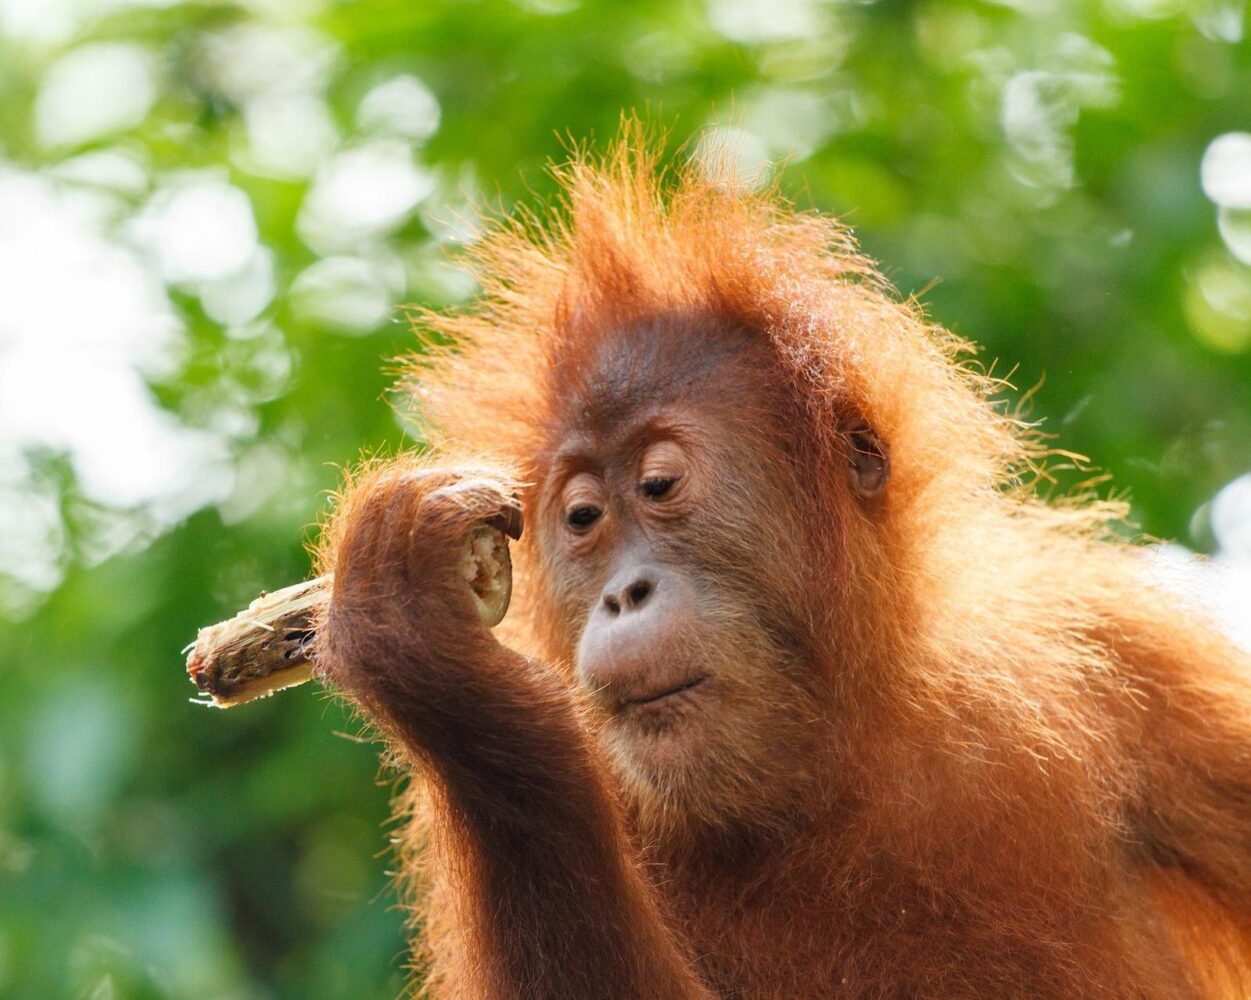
<point>868,464</point>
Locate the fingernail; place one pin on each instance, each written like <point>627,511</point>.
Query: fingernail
<point>509,522</point>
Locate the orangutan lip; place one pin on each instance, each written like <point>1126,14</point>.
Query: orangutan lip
<point>652,699</point>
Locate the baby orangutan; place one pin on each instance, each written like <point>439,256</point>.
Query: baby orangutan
<point>803,693</point>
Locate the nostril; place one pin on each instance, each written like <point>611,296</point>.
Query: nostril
<point>638,593</point>
<point>612,604</point>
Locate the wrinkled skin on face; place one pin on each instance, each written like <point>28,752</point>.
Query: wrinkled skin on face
<point>684,604</point>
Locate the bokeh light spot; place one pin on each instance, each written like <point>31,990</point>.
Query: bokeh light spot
<point>251,59</point>
<point>765,20</point>
<point>345,294</point>
<point>402,106</point>
<point>288,134</point>
<point>92,91</point>
<point>1234,225</point>
<point>361,194</point>
<point>1231,520</point>
<point>198,229</point>
<point>1218,305</point>
<point>1225,171</point>
<point>242,295</point>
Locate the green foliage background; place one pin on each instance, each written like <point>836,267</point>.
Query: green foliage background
<point>1030,168</point>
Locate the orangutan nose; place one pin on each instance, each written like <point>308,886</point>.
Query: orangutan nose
<point>629,591</point>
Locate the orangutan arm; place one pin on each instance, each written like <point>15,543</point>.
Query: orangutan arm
<point>554,903</point>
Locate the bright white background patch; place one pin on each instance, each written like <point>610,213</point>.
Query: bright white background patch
<point>1220,585</point>
<point>83,322</point>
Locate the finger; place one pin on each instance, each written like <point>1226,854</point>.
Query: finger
<point>399,528</point>
<point>509,521</point>
<point>482,494</point>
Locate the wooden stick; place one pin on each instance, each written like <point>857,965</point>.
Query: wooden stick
<point>270,644</point>
<point>263,649</point>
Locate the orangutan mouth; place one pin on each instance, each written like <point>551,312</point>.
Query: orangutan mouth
<point>667,693</point>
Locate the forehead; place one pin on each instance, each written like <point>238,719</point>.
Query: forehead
<point>667,361</point>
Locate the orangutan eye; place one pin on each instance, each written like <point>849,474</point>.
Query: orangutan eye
<point>657,487</point>
<point>581,518</point>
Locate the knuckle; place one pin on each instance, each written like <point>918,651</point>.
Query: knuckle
<point>469,494</point>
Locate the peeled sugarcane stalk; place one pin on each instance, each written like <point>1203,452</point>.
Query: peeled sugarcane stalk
<point>271,644</point>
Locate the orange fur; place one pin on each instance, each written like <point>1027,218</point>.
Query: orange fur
<point>1040,784</point>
